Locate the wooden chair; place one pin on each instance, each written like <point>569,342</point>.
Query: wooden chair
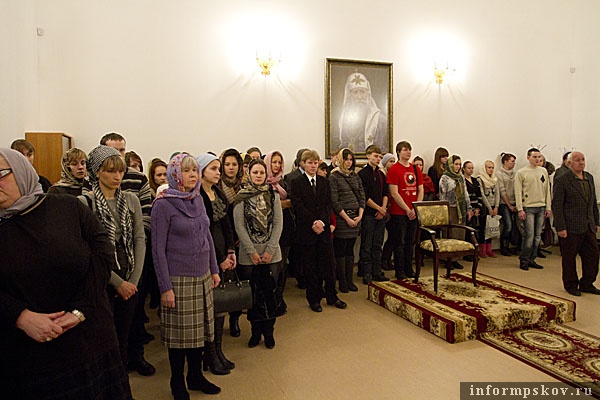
<point>433,218</point>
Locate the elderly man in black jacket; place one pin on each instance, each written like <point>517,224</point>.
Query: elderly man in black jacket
<point>576,221</point>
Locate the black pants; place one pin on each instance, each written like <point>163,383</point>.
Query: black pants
<point>316,260</point>
<point>586,246</point>
<point>123,311</point>
<point>403,231</point>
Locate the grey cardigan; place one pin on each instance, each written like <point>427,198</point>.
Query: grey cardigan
<point>247,247</point>
<point>139,238</point>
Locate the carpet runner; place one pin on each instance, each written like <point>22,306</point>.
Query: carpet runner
<point>565,353</point>
<point>460,311</point>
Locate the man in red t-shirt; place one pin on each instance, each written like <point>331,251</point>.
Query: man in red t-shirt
<point>405,187</point>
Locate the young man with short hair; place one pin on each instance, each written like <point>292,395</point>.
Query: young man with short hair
<point>374,217</point>
<point>405,187</point>
<point>311,200</point>
<point>532,195</point>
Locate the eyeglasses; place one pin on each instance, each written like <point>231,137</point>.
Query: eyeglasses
<point>4,172</point>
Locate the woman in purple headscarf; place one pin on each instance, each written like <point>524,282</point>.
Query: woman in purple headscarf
<point>187,270</point>
<point>58,336</point>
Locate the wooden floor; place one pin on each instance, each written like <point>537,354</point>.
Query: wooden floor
<point>365,351</point>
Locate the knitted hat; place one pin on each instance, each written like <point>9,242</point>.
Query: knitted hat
<point>203,160</point>
<point>387,157</point>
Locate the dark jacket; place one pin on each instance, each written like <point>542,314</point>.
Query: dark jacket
<point>374,185</point>
<point>221,230</point>
<point>309,207</point>
<point>572,209</point>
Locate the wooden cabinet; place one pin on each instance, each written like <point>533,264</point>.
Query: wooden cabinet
<point>49,149</point>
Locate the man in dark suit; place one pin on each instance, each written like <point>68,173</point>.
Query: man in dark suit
<point>576,221</point>
<point>311,200</point>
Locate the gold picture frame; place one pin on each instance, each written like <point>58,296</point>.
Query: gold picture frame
<point>358,105</point>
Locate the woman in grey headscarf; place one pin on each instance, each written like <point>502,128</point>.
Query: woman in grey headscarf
<point>56,260</point>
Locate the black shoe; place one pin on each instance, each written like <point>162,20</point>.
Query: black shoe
<point>202,384</point>
<point>338,304</point>
<point>254,340</point>
<point>142,367</point>
<point>540,254</point>
<point>505,252</point>
<point>574,292</point>
<point>178,389</point>
<point>400,275</point>
<point>456,265</point>
<point>381,278</point>
<point>535,265</point>
<point>409,273</point>
<point>352,287</point>
<point>524,265</point>
<point>234,326</point>
<point>468,258</point>
<point>367,278</point>
<point>269,342</point>
<point>316,307</point>
<point>592,290</point>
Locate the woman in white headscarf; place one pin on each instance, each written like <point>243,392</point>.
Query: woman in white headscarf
<point>58,338</point>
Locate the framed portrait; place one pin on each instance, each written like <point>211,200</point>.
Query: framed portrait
<point>358,106</point>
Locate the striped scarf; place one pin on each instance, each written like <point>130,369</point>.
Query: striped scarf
<point>106,217</point>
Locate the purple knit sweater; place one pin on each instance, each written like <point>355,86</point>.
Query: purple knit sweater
<point>181,240</point>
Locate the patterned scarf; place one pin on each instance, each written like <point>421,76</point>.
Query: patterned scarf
<point>274,180</point>
<point>459,180</point>
<point>94,162</point>
<point>67,179</point>
<point>258,210</point>
<point>106,217</point>
<point>175,179</point>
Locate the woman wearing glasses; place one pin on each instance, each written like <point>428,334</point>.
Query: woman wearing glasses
<point>58,338</point>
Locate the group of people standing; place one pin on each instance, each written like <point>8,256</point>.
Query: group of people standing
<point>80,261</point>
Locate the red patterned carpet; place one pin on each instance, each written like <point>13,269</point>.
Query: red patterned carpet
<point>460,311</point>
<point>565,353</point>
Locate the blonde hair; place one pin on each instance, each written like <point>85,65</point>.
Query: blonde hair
<point>310,155</point>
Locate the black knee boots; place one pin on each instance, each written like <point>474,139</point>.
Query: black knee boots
<point>211,361</point>
<point>349,271</point>
<point>177,362</point>
<point>219,322</point>
<point>340,270</point>
<point>195,379</point>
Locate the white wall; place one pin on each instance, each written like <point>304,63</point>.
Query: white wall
<point>173,75</point>
<point>19,100</point>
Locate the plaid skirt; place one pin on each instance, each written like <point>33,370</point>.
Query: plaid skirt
<point>191,322</point>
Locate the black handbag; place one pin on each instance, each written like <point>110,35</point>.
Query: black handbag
<point>232,295</point>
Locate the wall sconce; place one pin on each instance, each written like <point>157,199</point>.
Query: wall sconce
<point>266,61</point>
<point>439,75</point>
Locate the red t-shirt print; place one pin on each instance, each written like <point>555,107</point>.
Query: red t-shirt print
<point>407,182</point>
